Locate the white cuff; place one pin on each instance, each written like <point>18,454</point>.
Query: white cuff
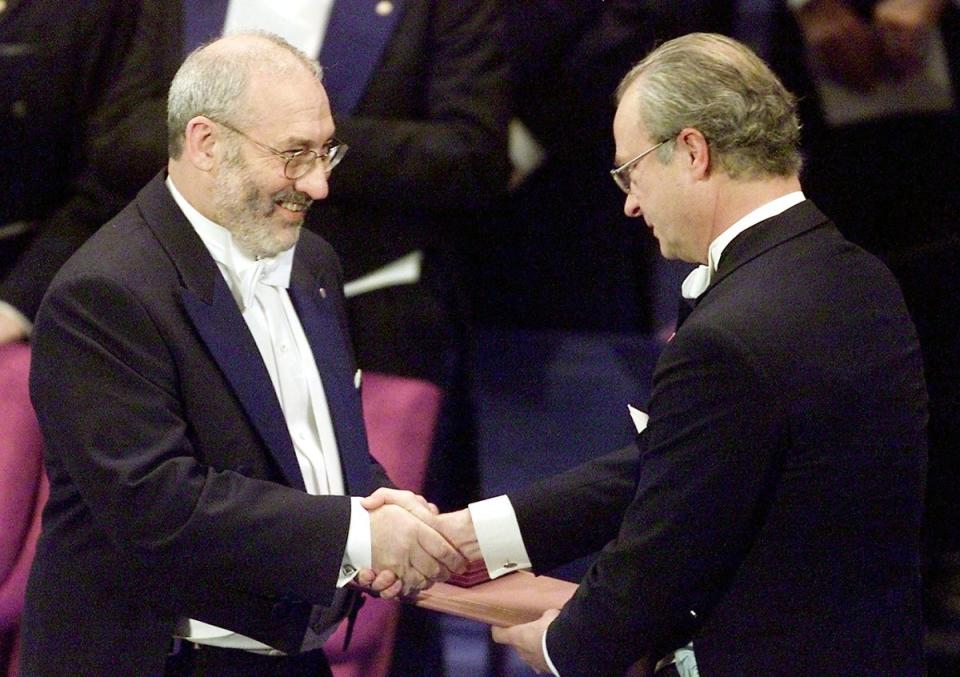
<point>498,535</point>
<point>358,554</point>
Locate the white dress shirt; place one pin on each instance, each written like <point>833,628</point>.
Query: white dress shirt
<point>260,290</point>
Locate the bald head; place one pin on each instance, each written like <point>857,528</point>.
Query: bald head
<point>215,78</point>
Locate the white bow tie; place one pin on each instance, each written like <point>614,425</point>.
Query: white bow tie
<point>274,272</point>
<point>696,282</point>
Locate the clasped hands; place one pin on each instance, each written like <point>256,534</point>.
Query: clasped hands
<point>413,546</point>
<point>862,51</point>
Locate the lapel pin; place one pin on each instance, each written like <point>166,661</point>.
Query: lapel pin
<point>384,7</point>
<point>322,292</point>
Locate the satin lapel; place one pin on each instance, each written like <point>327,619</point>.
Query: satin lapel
<point>214,313</point>
<point>764,236</point>
<point>226,335</point>
<point>319,322</point>
<point>352,48</point>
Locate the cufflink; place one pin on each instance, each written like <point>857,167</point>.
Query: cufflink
<point>509,565</point>
<point>348,570</point>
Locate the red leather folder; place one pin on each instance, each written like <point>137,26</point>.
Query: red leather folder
<point>516,598</point>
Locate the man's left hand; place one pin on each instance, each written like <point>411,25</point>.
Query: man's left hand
<point>527,639</point>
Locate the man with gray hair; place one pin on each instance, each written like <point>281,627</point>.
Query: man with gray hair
<point>767,520</point>
<point>200,408</point>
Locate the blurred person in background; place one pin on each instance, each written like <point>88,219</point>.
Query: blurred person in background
<point>58,62</point>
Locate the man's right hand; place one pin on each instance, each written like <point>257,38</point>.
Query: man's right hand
<point>457,528</point>
<point>416,553</point>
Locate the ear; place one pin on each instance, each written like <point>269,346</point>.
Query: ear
<point>695,151</point>
<point>200,140</point>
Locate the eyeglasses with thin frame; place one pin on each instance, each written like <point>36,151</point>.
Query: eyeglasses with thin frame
<point>298,163</point>
<point>621,175</point>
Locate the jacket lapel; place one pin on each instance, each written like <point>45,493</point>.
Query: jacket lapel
<point>328,344</point>
<point>214,313</point>
<point>763,237</point>
<point>223,330</point>
<point>353,45</point>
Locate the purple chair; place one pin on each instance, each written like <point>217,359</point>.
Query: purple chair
<point>23,491</point>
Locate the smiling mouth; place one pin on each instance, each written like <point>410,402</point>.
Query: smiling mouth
<point>293,206</point>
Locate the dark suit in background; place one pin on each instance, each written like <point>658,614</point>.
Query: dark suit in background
<point>143,361</point>
<point>57,64</point>
<point>771,513</point>
<point>563,255</point>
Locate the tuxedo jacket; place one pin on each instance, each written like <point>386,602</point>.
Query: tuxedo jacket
<point>174,488</point>
<point>770,512</point>
<point>57,63</point>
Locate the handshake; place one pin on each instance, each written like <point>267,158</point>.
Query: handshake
<point>413,546</point>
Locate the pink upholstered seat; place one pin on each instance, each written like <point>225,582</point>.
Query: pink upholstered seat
<point>23,491</point>
<point>401,420</point>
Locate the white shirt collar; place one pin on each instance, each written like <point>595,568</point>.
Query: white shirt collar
<point>241,271</point>
<point>699,278</point>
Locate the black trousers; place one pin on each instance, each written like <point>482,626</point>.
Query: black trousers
<point>207,661</point>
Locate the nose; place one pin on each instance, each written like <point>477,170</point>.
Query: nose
<point>314,184</point>
<point>631,206</point>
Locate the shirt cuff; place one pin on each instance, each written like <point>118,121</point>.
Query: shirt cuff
<point>359,553</point>
<point>25,324</point>
<point>546,655</point>
<point>498,536</point>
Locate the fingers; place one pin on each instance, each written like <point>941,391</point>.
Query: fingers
<point>527,639</point>
<point>417,554</point>
<point>413,503</point>
<point>365,578</point>
<point>413,582</point>
<point>393,591</point>
<point>457,528</point>
<point>440,550</point>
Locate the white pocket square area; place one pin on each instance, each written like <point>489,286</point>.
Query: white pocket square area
<point>638,417</point>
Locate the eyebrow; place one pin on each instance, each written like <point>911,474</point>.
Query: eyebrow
<point>303,142</point>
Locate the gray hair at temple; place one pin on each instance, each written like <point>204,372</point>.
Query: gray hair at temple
<point>718,86</point>
<point>213,79</point>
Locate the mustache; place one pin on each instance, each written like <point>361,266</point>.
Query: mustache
<point>294,196</point>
